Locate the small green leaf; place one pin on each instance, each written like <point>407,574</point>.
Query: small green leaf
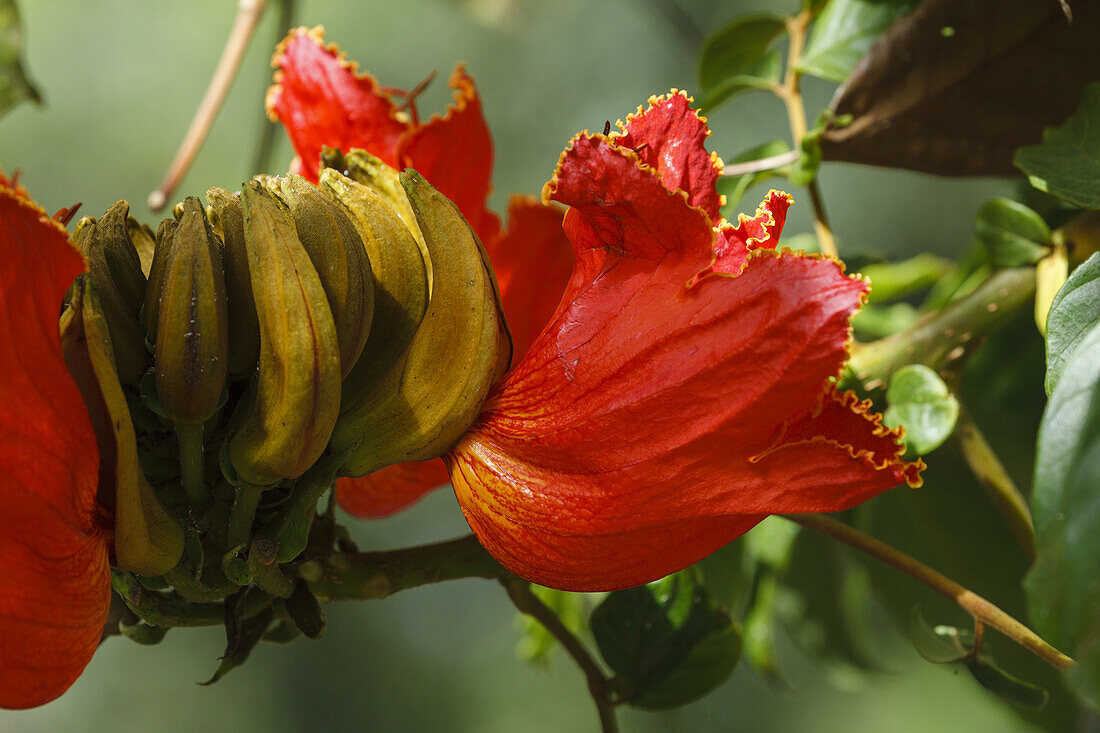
<point>894,280</point>
<point>734,187</point>
<point>1005,686</point>
<point>1012,234</point>
<point>1067,162</point>
<point>921,402</point>
<point>939,645</point>
<point>1075,309</point>
<point>14,85</point>
<point>667,642</point>
<point>1063,586</point>
<point>241,641</point>
<point>844,32</point>
<point>738,58</point>
<point>142,633</point>
<point>878,321</point>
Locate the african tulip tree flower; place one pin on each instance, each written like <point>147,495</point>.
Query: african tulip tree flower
<point>55,587</point>
<point>323,101</point>
<point>684,387</point>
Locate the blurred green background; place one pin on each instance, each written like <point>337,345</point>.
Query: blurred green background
<point>121,79</point>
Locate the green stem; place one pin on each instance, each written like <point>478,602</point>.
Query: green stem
<point>941,339</point>
<point>993,477</point>
<point>191,463</point>
<point>519,590</point>
<point>262,160</point>
<point>243,513</point>
<point>290,528</point>
<point>979,608</point>
<point>347,576</point>
<point>169,609</point>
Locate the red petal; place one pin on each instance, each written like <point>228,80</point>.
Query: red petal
<point>533,262</point>
<point>670,136</point>
<point>622,445</point>
<point>455,153</point>
<point>55,587</point>
<point>321,99</point>
<point>389,490</point>
<point>760,232</point>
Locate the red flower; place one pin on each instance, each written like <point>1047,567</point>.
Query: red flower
<point>322,100</point>
<point>683,389</point>
<point>55,584</point>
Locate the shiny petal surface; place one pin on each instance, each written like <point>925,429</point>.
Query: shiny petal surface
<point>322,99</point>
<point>455,153</point>
<point>55,588</point>
<point>635,436</point>
<point>669,136</point>
<point>533,261</point>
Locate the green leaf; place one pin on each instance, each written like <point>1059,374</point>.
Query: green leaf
<point>1063,587</point>
<point>242,639</point>
<point>738,57</point>
<point>1075,309</point>
<point>878,321</point>
<point>14,85</point>
<point>536,644</point>
<point>667,642</point>
<point>1012,234</point>
<point>1067,162</point>
<point>894,280</point>
<point>1004,685</point>
<point>921,402</point>
<point>734,187</point>
<point>844,32</point>
<point>939,645</point>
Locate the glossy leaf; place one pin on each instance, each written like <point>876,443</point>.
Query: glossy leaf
<point>1012,234</point>
<point>14,85</point>
<point>940,102</point>
<point>844,32</point>
<point>1067,162</point>
<point>921,402</point>
<point>738,57</point>
<point>734,187</point>
<point>1004,685</point>
<point>1063,586</point>
<point>667,642</point>
<point>1076,308</point>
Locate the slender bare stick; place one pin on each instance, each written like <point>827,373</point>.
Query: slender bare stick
<point>262,160</point>
<point>979,608</point>
<point>791,95</point>
<point>519,591</point>
<point>993,477</point>
<point>249,13</point>
<point>763,164</point>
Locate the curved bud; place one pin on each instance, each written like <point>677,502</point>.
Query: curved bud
<point>423,410</point>
<point>147,540</point>
<point>116,272</point>
<point>156,276</point>
<point>227,219</point>
<point>296,396</point>
<point>338,255</point>
<point>192,332</point>
<point>144,241</point>
<point>400,300</point>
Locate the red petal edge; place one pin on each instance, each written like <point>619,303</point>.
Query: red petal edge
<point>455,153</point>
<point>390,489</point>
<point>321,99</point>
<point>669,136</point>
<point>55,588</point>
<point>634,437</point>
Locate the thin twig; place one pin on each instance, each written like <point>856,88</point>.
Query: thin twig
<point>519,591</point>
<point>762,164</point>
<point>993,477</point>
<point>248,17</point>
<point>791,95</point>
<point>979,608</point>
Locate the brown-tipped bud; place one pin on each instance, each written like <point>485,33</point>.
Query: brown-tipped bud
<point>227,219</point>
<point>192,329</point>
<point>419,410</point>
<point>156,276</point>
<point>116,274</point>
<point>145,242</point>
<point>338,255</point>
<point>288,418</point>
<point>362,167</point>
<point>147,540</point>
